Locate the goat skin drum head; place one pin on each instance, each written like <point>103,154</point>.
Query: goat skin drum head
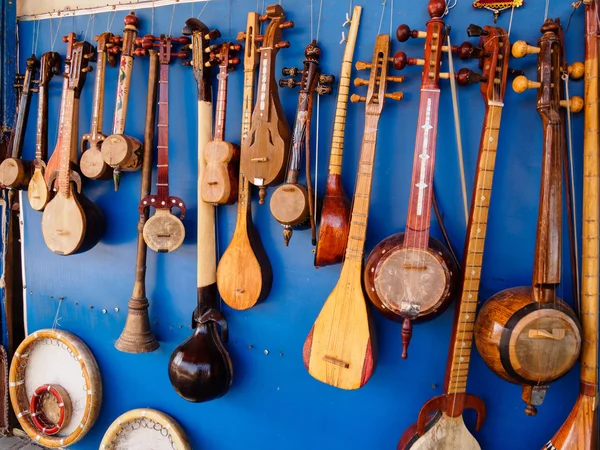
<point>145,429</point>
<point>57,358</point>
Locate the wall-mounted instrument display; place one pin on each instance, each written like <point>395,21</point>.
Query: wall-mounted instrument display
<point>340,348</point>
<point>37,191</point>
<point>440,424</point>
<point>411,276</point>
<point>122,152</point>
<point>14,171</point>
<point>145,428</point>
<point>528,335</point>
<point>92,164</point>
<point>71,223</point>
<point>580,430</point>
<point>244,274</point>
<point>292,203</point>
<point>220,182</point>
<point>55,388</point>
<point>200,368</point>
<point>335,213</point>
<point>164,232</point>
<point>137,336</point>
<point>265,151</point>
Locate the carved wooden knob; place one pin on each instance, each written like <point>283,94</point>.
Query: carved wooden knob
<point>403,33</point>
<point>288,82</point>
<point>283,44</point>
<point>576,70</point>
<point>395,95</point>
<point>522,48</point>
<point>291,71</point>
<point>399,60</point>
<point>465,76</point>
<point>288,24</point>
<point>131,20</point>
<point>326,79</point>
<point>521,84</point>
<point>241,36</point>
<point>324,90</point>
<point>476,31</point>
<point>358,82</point>
<point>355,98</point>
<point>575,104</point>
<point>362,65</point>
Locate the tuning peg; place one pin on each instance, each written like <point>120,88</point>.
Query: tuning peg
<point>521,84</point>
<point>288,82</point>
<point>400,61</point>
<point>288,24</point>
<point>213,34</point>
<point>35,90</point>
<point>522,48</point>
<point>89,55</point>
<point>235,47</point>
<point>326,79</point>
<point>362,82</point>
<point>467,50</point>
<point>186,63</point>
<point>241,36</point>
<point>358,82</point>
<point>395,95</point>
<point>324,90</point>
<point>118,40</point>
<point>87,69</point>
<point>212,48</point>
<point>362,65</point>
<point>140,52</point>
<point>355,98</point>
<point>282,44</point>
<point>291,71</point>
<point>465,76</point>
<point>576,70</point>
<point>182,40</point>
<point>575,104</point>
<point>403,33</point>
<point>476,31</point>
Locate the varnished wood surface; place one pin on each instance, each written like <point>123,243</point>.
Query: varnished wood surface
<point>442,433</point>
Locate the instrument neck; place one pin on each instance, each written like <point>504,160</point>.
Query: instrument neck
<point>418,220</point>
<point>163,133</point>
<point>41,132</point>
<point>267,88</point>
<point>98,103</point>
<point>221,112</point>
<point>65,134</point>
<point>299,138</point>
<point>124,83</point>
<point>464,320</point>
<point>244,200</point>
<point>22,114</point>
<point>362,194</point>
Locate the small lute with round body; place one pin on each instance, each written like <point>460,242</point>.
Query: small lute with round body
<point>164,232</point>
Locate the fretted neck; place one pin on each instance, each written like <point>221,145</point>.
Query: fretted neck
<point>266,85</point>
<point>418,220</point>
<point>221,112</point>
<point>464,320</point>
<point>125,69</point>
<point>243,187</point>
<point>41,132</point>
<point>98,104</point>
<point>163,133</point>
<point>22,114</point>
<point>362,194</point>
<point>65,135</point>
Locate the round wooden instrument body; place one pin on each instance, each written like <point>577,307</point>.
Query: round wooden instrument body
<point>62,360</point>
<point>410,283</point>
<point>289,204</point>
<point>441,433</point>
<point>125,152</point>
<point>526,342</point>
<point>164,232</point>
<point>37,192</point>
<point>265,158</point>
<point>50,408</point>
<point>143,429</point>
<point>92,165</point>
<point>15,173</point>
<point>220,181</point>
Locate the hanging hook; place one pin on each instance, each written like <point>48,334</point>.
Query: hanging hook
<point>344,38</point>
<point>449,7</point>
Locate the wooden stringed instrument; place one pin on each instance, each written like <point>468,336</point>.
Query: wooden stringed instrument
<point>528,335</point>
<point>92,164</point>
<point>265,151</point>
<point>340,349</point>
<point>411,276</point>
<point>37,191</point>
<point>440,425</point>
<point>580,429</point>
<point>164,232</point>
<point>220,182</point>
<point>119,151</point>
<point>244,274</point>
<point>200,368</point>
<point>335,213</point>
<point>71,223</point>
<point>14,171</point>
<point>292,204</point>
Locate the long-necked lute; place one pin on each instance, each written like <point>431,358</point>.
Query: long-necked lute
<point>440,425</point>
<point>119,151</point>
<point>244,274</point>
<point>335,213</point>
<point>340,349</point>
<point>200,368</point>
<point>266,148</point>
<point>411,276</point>
<point>528,335</point>
<point>164,232</point>
<point>37,191</point>
<point>580,429</point>
<point>137,336</point>
<point>71,223</point>
<point>92,164</point>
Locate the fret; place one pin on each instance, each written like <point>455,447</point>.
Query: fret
<point>163,134</point>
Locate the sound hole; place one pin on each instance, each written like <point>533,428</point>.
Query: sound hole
<point>410,280</point>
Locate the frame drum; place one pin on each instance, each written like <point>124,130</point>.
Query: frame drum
<point>57,358</point>
<point>145,429</point>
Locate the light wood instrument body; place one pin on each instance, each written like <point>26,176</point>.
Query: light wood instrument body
<point>335,214</point>
<point>244,274</point>
<point>441,433</point>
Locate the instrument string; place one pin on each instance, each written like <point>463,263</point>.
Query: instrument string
<point>316,190</point>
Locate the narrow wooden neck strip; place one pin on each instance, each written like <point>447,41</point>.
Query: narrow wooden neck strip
<point>65,138</point>
<point>22,114</point>
<point>163,133</point>
<point>221,112</point>
<point>125,69</point>
<point>98,103</point>
<point>266,88</point>
<point>41,132</point>
<point>243,187</point>
<point>298,141</point>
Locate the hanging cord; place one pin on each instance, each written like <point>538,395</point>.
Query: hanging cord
<point>391,16</point>
<point>547,8</point>
<point>53,38</point>
<point>152,23</point>
<point>381,18</point>
<point>575,5</point>
<point>87,27</point>
<point>36,34</point>
<point>512,13</point>
<point>206,4</point>
<point>172,16</point>
<point>56,321</point>
<point>463,182</point>
<point>109,23</point>
<point>449,6</point>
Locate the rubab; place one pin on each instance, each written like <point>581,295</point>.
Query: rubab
<point>440,425</point>
<point>580,430</point>
<point>37,192</point>
<point>335,214</point>
<point>340,348</point>
<point>244,274</point>
<point>200,368</point>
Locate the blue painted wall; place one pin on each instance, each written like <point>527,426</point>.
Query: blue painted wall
<point>274,403</point>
